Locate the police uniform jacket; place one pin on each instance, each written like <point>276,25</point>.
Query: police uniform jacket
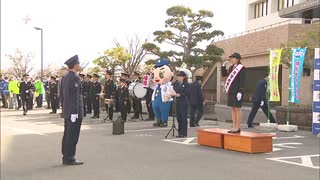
<point>260,92</point>
<point>182,89</point>
<point>109,89</point>
<point>71,96</point>
<point>196,95</point>
<point>54,90</point>
<point>123,94</point>
<point>95,89</point>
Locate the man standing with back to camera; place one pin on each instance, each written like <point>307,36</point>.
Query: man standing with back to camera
<point>72,110</point>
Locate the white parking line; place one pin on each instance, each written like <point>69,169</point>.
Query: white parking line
<point>25,131</point>
<point>305,160</point>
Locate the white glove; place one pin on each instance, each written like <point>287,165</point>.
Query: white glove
<point>225,63</point>
<point>74,117</point>
<point>27,91</point>
<point>239,96</point>
<point>262,103</point>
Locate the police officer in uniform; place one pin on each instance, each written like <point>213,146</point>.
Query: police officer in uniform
<point>53,95</point>
<point>109,93</point>
<point>84,93</point>
<point>196,101</point>
<point>136,102</point>
<point>95,91</point>
<point>25,91</point>
<point>182,92</point>
<point>87,91</point>
<point>72,111</point>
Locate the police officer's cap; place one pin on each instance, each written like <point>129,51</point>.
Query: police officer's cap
<point>72,61</point>
<point>235,55</point>
<point>181,73</point>
<point>53,77</point>
<point>96,75</point>
<point>82,74</point>
<point>89,75</point>
<point>161,62</point>
<point>122,80</point>
<point>25,75</point>
<point>109,72</point>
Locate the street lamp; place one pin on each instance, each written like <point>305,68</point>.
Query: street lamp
<point>40,29</point>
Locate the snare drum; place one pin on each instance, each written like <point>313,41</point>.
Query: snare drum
<point>136,89</point>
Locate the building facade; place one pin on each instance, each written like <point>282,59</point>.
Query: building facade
<point>266,30</point>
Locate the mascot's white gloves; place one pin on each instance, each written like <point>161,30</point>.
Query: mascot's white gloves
<point>239,96</point>
<point>74,117</point>
<point>225,63</point>
<point>262,103</point>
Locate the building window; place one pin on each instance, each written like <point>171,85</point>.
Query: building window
<point>285,3</point>
<point>261,9</point>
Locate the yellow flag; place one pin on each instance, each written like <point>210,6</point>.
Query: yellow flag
<point>274,62</point>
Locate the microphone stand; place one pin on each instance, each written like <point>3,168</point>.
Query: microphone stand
<point>173,127</point>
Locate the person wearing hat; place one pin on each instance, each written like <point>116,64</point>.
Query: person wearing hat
<point>109,93</point>
<point>25,91</point>
<point>84,94</point>
<point>260,101</point>
<point>196,101</point>
<point>136,102</point>
<point>72,111</point>
<point>47,85</point>
<point>123,98</point>
<point>95,91</point>
<point>234,86</point>
<point>148,98</point>
<point>53,94</point>
<point>87,91</point>
<point>181,88</point>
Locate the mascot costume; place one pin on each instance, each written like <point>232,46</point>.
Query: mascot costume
<point>161,98</point>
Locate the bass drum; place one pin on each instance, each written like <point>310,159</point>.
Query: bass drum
<point>137,90</point>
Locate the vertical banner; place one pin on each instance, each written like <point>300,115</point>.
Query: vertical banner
<point>316,93</point>
<point>297,59</point>
<point>274,62</point>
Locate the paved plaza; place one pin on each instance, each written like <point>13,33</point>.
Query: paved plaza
<point>30,149</point>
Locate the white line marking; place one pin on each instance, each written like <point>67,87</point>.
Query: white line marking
<point>158,129</point>
<point>187,141</point>
<point>293,137</point>
<point>305,160</point>
<point>26,131</point>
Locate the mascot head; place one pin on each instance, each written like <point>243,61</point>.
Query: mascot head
<point>161,72</point>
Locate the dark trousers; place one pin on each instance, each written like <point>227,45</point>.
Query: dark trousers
<point>89,105</point>
<point>254,110</point>
<point>19,100</point>
<point>109,108</point>
<point>137,107</point>
<point>3,99</point>
<point>123,111</point>
<point>85,106</point>
<point>54,103</point>
<point>182,118</point>
<point>25,100</point>
<point>48,100</point>
<point>196,112</point>
<point>70,139</point>
<point>128,105</point>
<point>96,106</point>
<point>39,101</point>
<point>150,110</point>
<point>30,102</point>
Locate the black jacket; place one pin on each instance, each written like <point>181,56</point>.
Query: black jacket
<point>182,89</point>
<point>54,90</point>
<point>238,83</point>
<point>260,92</point>
<point>25,88</point>
<point>95,89</point>
<point>123,95</point>
<point>109,89</point>
<point>196,95</point>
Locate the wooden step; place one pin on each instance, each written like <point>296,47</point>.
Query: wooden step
<point>249,142</point>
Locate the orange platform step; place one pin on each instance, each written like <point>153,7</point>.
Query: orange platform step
<point>249,142</point>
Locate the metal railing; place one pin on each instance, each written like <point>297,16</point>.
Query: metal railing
<point>290,21</point>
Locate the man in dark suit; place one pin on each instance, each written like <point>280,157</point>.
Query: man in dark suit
<point>84,93</point>
<point>260,101</point>
<point>109,93</point>
<point>196,101</point>
<point>136,102</point>
<point>95,91</point>
<point>72,111</point>
<point>54,95</point>
<point>25,91</point>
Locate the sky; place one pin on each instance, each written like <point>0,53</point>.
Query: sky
<point>86,27</point>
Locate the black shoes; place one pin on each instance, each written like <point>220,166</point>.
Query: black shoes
<point>134,117</point>
<point>181,136</point>
<point>164,124</point>
<point>72,163</point>
<point>53,113</point>
<point>250,126</point>
<point>234,132</point>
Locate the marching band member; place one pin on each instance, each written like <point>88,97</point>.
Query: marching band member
<point>25,91</point>
<point>123,98</point>
<point>109,93</point>
<point>136,102</point>
<point>234,86</point>
<point>95,90</point>
<point>54,95</point>
<point>84,85</point>
<point>87,91</point>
